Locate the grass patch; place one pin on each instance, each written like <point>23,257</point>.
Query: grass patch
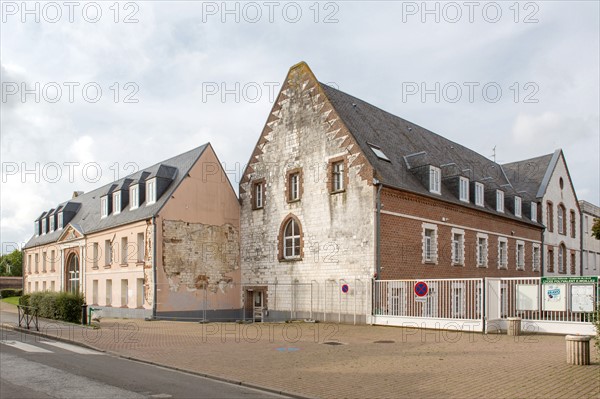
<point>13,300</point>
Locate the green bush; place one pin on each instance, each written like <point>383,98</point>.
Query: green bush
<point>55,305</point>
<point>10,292</point>
<point>596,322</point>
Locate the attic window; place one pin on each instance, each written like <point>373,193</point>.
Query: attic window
<point>434,180</point>
<point>117,202</point>
<point>518,207</point>
<point>134,195</point>
<point>36,227</point>
<point>380,154</point>
<point>60,220</point>
<point>52,223</point>
<point>479,194</point>
<point>104,206</point>
<point>464,189</point>
<point>500,201</point>
<point>44,226</point>
<point>151,191</point>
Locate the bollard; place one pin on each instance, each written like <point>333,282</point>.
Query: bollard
<point>514,326</point>
<point>578,349</point>
<point>84,314</point>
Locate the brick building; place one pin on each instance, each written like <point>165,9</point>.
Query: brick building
<point>338,191</point>
<point>547,181</point>
<point>161,242</point>
<point>590,246</point>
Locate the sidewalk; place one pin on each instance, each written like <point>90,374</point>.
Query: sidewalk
<point>296,358</point>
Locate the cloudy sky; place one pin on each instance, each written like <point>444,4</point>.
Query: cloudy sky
<point>92,91</point>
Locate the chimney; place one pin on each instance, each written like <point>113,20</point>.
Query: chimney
<point>77,193</point>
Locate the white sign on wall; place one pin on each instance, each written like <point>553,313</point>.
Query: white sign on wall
<point>555,296</point>
<point>582,298</point>
<point>527,297</point>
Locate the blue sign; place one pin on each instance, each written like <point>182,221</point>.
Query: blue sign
<point>421,289</point>
<point>345,288</point>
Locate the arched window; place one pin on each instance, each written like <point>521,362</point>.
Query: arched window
<point>73,274</point>
<point>562,258</point>
<point>290,239</point>
<point>562,219</point>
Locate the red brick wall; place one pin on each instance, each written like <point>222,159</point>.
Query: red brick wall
<point>401,239</point>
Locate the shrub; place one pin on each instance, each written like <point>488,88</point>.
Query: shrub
<point>55,305</point>
<point>10,292</point>
<point>596,322</point>
<point>24,300</point>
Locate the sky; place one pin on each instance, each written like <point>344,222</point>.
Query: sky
<point>93,91</point>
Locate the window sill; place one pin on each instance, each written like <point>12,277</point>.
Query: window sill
<point>95,268</point>
<point>482,266</point>
<point>258,208</point>
<point>290,259</point>
<point>107,266</point>
<point>139,263</point>
<point>430,262</point>
<point>503,267</point>
<point>337,191</point>
<point>462,264</point>
<point>294,200</point>
<point>124,264</point>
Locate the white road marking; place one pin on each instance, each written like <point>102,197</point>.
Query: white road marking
<point>71,348</point>
<point>25,347</point>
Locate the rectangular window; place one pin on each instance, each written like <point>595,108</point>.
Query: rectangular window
<point>258,194</point>
<point>464,189</point>
<point>482,248</point>
<point>51,223</point>
<point>140,292</point>
<point>124,292</point>
<point>429,243</point>
<point>294,186</point>
<point>573,263</point>
<point>434,180</point>
<point>60,220</point>
<point>37,286</point>
<point>108,296</point>
<point>562,267</point>
<point>52,288</point>
<point>536,258</point>
<point>458,242</point>
<point>520,256</point>
<point>124,250</point>
<point>52,260</point>
<point>337,171</point>
<point>43,286</point>
<point>140,247</point>
<point>518,207</point>
<point>44,226</point>
<point>36,228</point>
<point>534,211</point>
<point>378,152</point>
<point>134,197</point>
<point>550,261</point>
<point>151,191</point>
<point>44,262</point>
<point>37,262</point>
<point>29,263</point>
<point>479,194</point>
<point>107,253</point>
<point>550,216</point>
<point>502,253</point>
<point>117,203</point>
<point>499,201</point>
<point>95,292</point>
<point>561,219</point>
<point>29,286</point>
<point>95,255</point>
<point>573,225</point>
<point>104,207</point>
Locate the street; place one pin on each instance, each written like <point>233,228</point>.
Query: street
<point>33,367</point>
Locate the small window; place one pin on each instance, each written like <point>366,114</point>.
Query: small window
<point>51,223</point>
<point>573,225</point>
<point>294,186</point>
<point>561,183</point>
<point>561,217</point>
<point>104,206</point>
<point>429,243</point>
<point>482,249</point>
<point>134,197</point>
<point>464,189</point>
<point>479,194</point>
<point>518,207</point>
<point>140,247</point>
<point>502,253</point>
<point>291,240</point>
<point>108,294</point>
<point>550,216</point>
<point>44,226</point>
<point>36,228</point>
<point>337,171</point>
<point>60,220</point>
<point>379,152</point>
<point>107,253</point>
<point>117,202</point>
<point>458,245</point>
<point>520,256</point>
<point>258,200</point>
<point>550,263</point>
<point>151,191</point>
<point>534,211</point>
<point>124,251</point>
<point>536,258</point>
<point>562,259</point>
<point>43,262</point>
<point>434,180</point>
<point>95,255</point>
<point>500,201</point>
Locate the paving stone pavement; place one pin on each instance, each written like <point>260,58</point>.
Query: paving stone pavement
<point>299,357</point>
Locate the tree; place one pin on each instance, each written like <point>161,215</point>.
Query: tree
<point>596,229</point>
<point>12,264</point>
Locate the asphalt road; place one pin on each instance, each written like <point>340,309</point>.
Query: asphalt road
<point>33,368</point>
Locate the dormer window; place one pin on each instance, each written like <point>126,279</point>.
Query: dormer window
<point>534,211</point>
<point>464,189</point>
<point>36,227</point>
<point>518,207</point>
<point>479,194</point>
<point>500,201</point>
<point>117,203</point>
<point>151,191</point>
<point>60,220</point>
<point>434,180</point>
<point>44,226</point>
<point>51,223</point>
<point>134,196</point>
<point>104,206</point>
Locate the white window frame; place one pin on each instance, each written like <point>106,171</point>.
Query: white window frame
<point>520,255</point>
<point>43,226</point>
<point>433,259</point>
<point>502,256</point>
<point>500,201</point>
<point>151,191</point>
<point>338,176</point>
<point>60,220</point>
<point>482,253</point>
<point>51,223</point>
<point>534,211</point>
<point>258,195</point>
<point>458,247</point>
<point>37,227</point>
<point>518,207</point>
<point>134,197</point>
<point>294,186</point>
<point>292,239</point>
<point>108,255</point>
<point>116,202</point>
<point>463,189</point>
<point>103,207</point>
<point>435,178</point>
<point>536,259</point>
<point>479,194</point>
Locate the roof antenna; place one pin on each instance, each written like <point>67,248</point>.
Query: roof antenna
<point>494,154</point>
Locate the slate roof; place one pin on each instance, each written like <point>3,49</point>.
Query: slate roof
<point>409,146</point>
<point>532,175</point>
<point>88,220</point>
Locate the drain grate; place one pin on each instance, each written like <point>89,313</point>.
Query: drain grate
<point>332,343</point>
<point>384,342</point>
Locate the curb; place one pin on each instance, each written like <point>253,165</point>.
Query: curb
<point>149,362</point>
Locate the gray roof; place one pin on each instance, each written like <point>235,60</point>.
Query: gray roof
<point>532,175</point>
<point>88,220</point>
<point>589,208</point>
<point>409,146</point>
